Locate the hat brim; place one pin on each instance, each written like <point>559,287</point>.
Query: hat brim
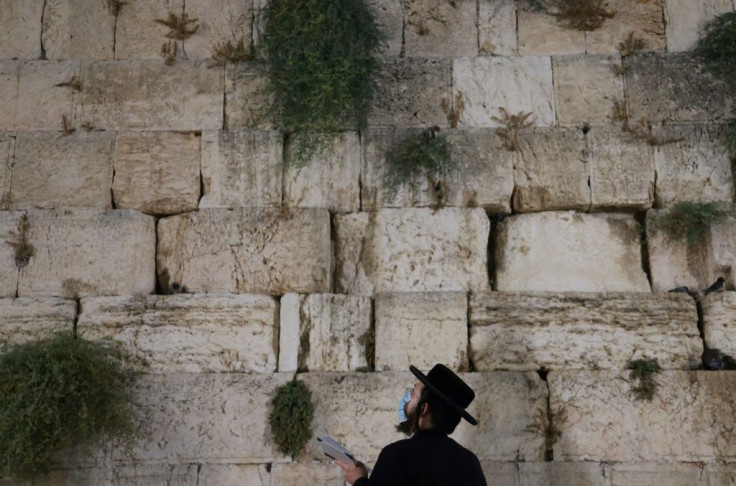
<point>423,378</point>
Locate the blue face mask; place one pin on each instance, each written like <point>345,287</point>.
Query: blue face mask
<point>406,398</point>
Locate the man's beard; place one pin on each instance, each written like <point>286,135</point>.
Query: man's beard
<point>411,424</point>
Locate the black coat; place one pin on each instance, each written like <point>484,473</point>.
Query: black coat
<point>429,458</point>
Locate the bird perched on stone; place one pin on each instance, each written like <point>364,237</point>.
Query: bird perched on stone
<point>685,290</point>
<point>715,359</point>
<point>718,286</point>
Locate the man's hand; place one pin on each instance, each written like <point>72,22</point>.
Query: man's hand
<point>353,471</point>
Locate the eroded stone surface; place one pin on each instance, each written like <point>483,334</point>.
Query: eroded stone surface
<point>582,330</point>
<point>9,233</point>
<point>685,20</point>
<point>41,103</point>
<point>297,474</point>
<point>246,250</point>
<point>231,21</point>
<point>440,28</point>
<point>421,329</point>
<point>27,318</point>
<point>561,474</point>
<point>138,35</point>
<point>642,18</point>
<point>642,474</point>
<point>20,29</point>
<point>157,172</point>
<point>540,34</point>
<point>188,333</point>
<point>248,103</point>
<point>232,474</point>
<point>83,29</point>
<point>412,250</point>
<point>569,252</point>
<point>497,27</point>
<point>719,331</point>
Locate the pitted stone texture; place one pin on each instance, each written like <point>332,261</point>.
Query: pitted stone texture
<point>516,84</point>
<point>551,170</point>
<point>335,332</point>
<point>582,330</point>
<point>297,474</point>
<point>246,250</point>
<point>56,170</point>
<point>685,20</point>
<point>83,29</point>
<point>330,178</point>
<point>671,474</point>
<point>421,329</point>
<point>219,23</point>
<point>188,333</point>
<point>697,169</point>
<point>720,474</point>
<point>242,169</point>
<point>675,263</point>
<point>676,88</point>
<point>20,29</point>
<point>7,149</point>
<point>585,88</point>
<point>570,252</point>
<point>388,17</point>
<point>83,252</point>
<point>541,35</point>
<point>150,95</point>
<point>562,474</point>
<point>642,18</point>
<point>483,178</point>
<point>289,332</point>
<point>157,172</point>
<point>440,28</point>
<point>621,170</point>
<point>719,329</point>
<point>412,250</point>
<point>248,103</point>
<point>204,417</point>
<point>497,27</point>
<point>626,429</point>
<point>138,35</point>
<point>410,93</point>
<point>234,474</point>
<point>9,233</point>
<point>27,319</point>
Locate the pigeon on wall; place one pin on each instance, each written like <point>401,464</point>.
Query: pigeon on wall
<point>718,286</point>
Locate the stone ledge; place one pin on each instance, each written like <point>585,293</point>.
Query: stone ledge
<point>29,318</point>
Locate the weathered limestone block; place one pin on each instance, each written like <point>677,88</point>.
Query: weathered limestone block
<point>233,474</point>
<point>37,101</point>
<point>410,92</point>
<point>9,75</point>
<point>551,170</point>
<point>697,169</point>
<point>329,179</point>
<point>242,169</point>
<point>56,170</point>
<point>421,329</point>
<point>26,318</point>
<point>246,250</point>
<point>440,28</point>
<point>289,332</point>
<point>297,474</point>
<point>388,16</point>
<point>201,417</point>
<point>412,250</point>
<point>582,330</point>
<point>189,333</point>
<point>585,88</point>
<point>685,20</point>
<point>231,21</point>
<point>689,419</point>
<point>540,34</point>
<point>483,177</point>
<point>157,172</point>
<point>83,29</point>
<point>675,88</point>
<point>248,103</point>
<point>561,474</point>
<point>20,29</point>
<point>150,95</point>
<point>497,27</point>
<point>516,84</point>
<point>569,252</point>
<point>646,473</point>
<point>9,233</point>
<point>84,252</point>
<point>720,474</point>
<point>7,148</point>
<point>621,170</point>
<point>138,35</point>
<point>334,332</point>
<point>642,18</point>
<point>719,325</point>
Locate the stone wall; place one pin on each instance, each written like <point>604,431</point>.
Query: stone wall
<point>161,214</point>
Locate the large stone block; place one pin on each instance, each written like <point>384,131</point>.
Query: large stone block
<point>589,331</point>
<point>696,169</point>
<point>410,92</point>
<point>627,429</point>
<point>242,169</point>
<point>138,35</point>
<point>26,318</point>
<point>483,176</point>
<point>330,178</point>
<point>421,329</point>
<point>189,333</point>
<point>516,84</point>
<point>83,29</point>
<point>497,27</point>
<point>20,29</point>
<point>412,250</point>
<point>540,34</point>
<point>231,21</point>
<point>569,252</point>
<point>55,170</point>
<point>440,28</point>
<point>10,235</point>
<point>719,313</point>
<point>686,19</point>
<point>551,170</point>
<point>562,474</point>
<point>642,18</point>
<point>84,252</point>
<point>246,250</point>
<point>248,101</point>
<point>297,474</point>
<point>157,172</point>
<point>150,95</point>
<point>645,474</point>
<point>289,332</point>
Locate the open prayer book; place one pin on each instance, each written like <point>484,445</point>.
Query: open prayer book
<point>335,450</point>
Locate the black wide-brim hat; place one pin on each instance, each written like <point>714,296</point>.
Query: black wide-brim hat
<point>449,387</point>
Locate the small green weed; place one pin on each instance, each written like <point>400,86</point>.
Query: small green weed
<point>644,370</point>
<point>584,15</point>
<point>453,110</point>
<point>67,127</point>
<point>169,51</point>
<point>368,341</point>
<point>225,52</point>
<point>512,124</point>
<point>114,6</point>
<point>631,45</point>
<point>179,26</point>
<point>691,220</point>
<point>717,46</point>
<point>292,413</point>
<point>24,250</point>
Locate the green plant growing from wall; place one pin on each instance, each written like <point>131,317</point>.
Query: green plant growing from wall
<point>224,52</point>
<point>584,15</point>
<point>512,125</point>
<point>24,250</point>
<point>717,47</point>
<point>60,392</point>
<point>114,6</point>
<point>691,220</point>
<point>179,30</point>
<point>643,371</point>
<point>291,416</point>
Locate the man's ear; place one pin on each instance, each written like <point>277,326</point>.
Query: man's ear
<point>424,410</point>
